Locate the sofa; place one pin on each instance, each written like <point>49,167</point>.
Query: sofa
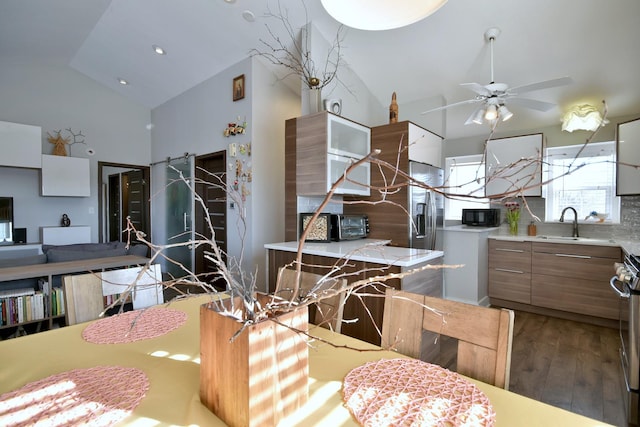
<point>62,253</point>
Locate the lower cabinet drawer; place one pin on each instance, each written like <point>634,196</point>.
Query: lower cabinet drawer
<point>510,285</point>
<point>593,298</point>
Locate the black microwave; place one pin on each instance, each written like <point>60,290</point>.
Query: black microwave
<point>481,217</point>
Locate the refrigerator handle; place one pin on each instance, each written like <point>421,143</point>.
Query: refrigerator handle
<point>433,222</point>
<point>421,220</point>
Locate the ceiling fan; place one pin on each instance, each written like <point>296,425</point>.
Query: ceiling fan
<point>494,96</point>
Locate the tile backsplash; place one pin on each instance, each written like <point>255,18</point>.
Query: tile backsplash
<point>628,229</point>
<point>311,203</point>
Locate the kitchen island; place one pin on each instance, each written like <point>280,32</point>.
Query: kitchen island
<point>361,259</point>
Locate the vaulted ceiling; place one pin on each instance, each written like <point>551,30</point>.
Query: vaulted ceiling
<point>592,41</point>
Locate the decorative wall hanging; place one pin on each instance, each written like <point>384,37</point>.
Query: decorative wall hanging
<point>60,143</point>
<point>236,128</point>
<point>238,88</point>
<point>241,169</point>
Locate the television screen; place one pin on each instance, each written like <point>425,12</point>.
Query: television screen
<point>6,220</point>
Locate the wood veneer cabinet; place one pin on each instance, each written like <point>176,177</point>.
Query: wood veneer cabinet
<point>399,143</point>
<point>510,270</point>
<point>574,278</point>
<point>369,318</point>
<point>326,144</point>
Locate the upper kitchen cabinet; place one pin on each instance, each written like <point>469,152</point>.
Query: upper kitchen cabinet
<point>325,146</point>
<point>65,176</point>
<point>628,155</point>
<point>423,145</point>
<point>21,145</point>
<point>514,166</point>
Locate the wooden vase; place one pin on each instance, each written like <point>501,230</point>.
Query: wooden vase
<point>259,378</point>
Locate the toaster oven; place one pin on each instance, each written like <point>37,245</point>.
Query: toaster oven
<point>328,227</point>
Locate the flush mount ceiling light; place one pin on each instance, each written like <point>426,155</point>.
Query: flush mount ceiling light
<point>122,81</point>
<point>582,117</point>
<point>376,15</point>
<point>159,50</point>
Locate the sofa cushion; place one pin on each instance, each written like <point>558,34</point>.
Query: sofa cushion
<point>139,250</point>
<point>27,260</point>
<point>61,255</point>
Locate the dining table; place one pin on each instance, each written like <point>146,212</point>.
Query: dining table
<point>171,364</point>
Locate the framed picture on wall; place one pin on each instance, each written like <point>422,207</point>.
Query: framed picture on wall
<point>238,88</point>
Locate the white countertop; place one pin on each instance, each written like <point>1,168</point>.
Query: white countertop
<point>632,248</point>
<point>468,229</point>
<point>368,250</point>
<point>627,246</point>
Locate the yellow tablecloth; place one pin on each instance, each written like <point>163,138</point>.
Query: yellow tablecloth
<point>172,364</point>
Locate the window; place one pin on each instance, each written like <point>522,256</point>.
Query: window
<point>582,177</point>
<point>464,176</point>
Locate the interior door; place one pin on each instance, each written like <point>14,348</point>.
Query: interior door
<point>179,216</point>
<point>209,169</point>
<point>134,198</point>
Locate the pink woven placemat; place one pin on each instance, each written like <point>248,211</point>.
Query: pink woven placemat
<point>134,326</point>
<point>408,392</point>
<point>99,396</point>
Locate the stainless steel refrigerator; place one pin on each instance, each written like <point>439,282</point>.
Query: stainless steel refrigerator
<point>426,207</point>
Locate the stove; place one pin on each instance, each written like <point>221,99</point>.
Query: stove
<point>626,283</point>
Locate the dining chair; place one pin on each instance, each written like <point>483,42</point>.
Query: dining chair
<point>484,334</point>
<point>326,312</point>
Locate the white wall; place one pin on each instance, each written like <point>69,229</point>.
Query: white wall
<point>56,98</point>
<point>358,104</point>
<point>194,122</point>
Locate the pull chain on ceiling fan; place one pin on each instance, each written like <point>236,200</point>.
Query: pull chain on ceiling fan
<point>494,96</point>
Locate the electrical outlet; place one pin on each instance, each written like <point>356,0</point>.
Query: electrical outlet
<point>91,210</point>
<point>232,150</point>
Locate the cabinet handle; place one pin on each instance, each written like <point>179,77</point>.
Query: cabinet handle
<point>574,256</point>
<point>506,270</point>
<point>510,250</point>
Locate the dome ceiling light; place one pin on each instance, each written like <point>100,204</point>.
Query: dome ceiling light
<point>582,117</point>
<point>375,15</point>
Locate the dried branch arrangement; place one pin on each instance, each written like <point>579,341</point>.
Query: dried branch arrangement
<point>294,51</point>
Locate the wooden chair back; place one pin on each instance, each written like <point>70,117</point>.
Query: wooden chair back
<point>484,334</point>
<point>326,312</point>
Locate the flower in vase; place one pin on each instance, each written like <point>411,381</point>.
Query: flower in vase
<point>513,211</point>
<point>513,216</point>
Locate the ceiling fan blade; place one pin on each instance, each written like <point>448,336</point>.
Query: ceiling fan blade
<point>532,103</point>
<point>562,81</point>
<point>477,88</point>
<point>468,101</point>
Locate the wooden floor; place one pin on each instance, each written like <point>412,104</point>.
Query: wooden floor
<point>571,365</point>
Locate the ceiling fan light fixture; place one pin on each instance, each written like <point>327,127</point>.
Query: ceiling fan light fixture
<point>504,113</point>
<point>376,15</point>
<point>478,118</point>
<point>491,113</point>
<point>582,117</point>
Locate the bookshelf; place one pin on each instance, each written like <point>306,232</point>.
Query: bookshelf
<point>54,299</point>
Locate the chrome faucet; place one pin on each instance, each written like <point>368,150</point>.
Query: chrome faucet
<point>575,220</point>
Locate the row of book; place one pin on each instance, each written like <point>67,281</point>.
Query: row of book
<point>26,305</point>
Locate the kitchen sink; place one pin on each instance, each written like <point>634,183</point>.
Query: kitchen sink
<point>560,238</point>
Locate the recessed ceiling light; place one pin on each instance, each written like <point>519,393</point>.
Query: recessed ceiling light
<point>122,81</point>
<point>159,50</point>
<point>248,16</point>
